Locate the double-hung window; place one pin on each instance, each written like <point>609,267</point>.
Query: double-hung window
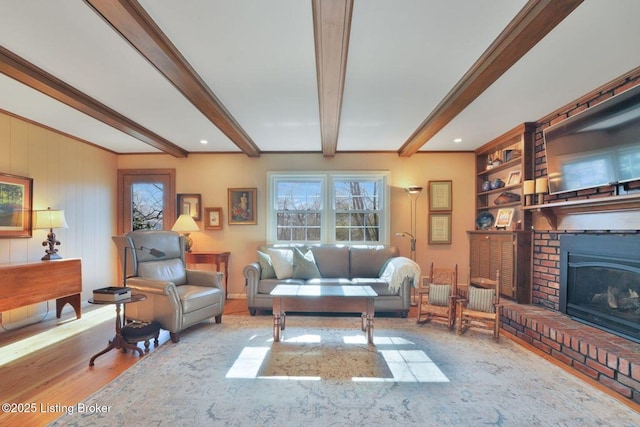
<point>328,207</point>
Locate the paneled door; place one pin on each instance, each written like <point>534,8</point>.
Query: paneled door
<point>146,199</point>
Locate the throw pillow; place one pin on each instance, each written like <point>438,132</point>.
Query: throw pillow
<point>266,267</point>
<point>481,299</point>
<point>439,294</point>
<point>282,260</point>
<point>304,265</point>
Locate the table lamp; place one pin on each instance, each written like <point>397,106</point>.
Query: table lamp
<point>50,219</point>
<point>186,224</point>
<point>542,186</point>
<point>529,190</point>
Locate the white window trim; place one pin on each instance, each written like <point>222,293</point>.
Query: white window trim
<point>327,233</point>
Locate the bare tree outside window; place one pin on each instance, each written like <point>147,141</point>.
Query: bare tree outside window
<point>356,205</point>
<point>147,206</point>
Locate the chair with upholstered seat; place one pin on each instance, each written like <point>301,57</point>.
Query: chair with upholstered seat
<point>177,297</point>
<point>437,298</point>
<point>481,307</point>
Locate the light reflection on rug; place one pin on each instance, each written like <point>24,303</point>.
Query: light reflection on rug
<point>291,383</point>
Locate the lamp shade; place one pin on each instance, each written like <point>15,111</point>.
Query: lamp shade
<point>50,218</point>
<point>542,185</point>
<point>413,190</point>
<point>529,187</point>
<point>185,223</point>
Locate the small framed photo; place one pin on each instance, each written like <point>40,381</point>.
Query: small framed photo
<point>213,218</point>
<point>15,205</point>
<point>504,217</point>
<point>514,177</point>
<point>440,196</point>
<point>190,204</point>
<point>439,228</point>
<point>242,206</point>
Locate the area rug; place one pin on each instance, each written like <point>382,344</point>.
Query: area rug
<point>324,374</point>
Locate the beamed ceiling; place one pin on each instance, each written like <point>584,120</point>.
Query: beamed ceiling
<point>329,76</point>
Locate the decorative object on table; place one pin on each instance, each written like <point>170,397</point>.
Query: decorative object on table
<point>542,187</point>
<point>185,224</point>
<point>213,218</point>
<point>111,293</point>
<point>486,186</point>
<point>439,228</point>
<point>243,206</point>
<point>50,219</point>
<point>507,197</point>
<point>504,217</point>
<point>440,196</point>
<point>15,205</point>
<point>484,220</point>
<point>510,154</point>
<point>412,192</point>
<point>529,189</point>
<point>514,177</point>
<point>190,204</point>
<point>497,183</point>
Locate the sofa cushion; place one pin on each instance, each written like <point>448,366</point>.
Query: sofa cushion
<point>329,281</point>
<point>304,265</point>
<point>170,270</point>
<point>481,299</point>
<point>368,260</point>
<point>380,286</point>
<point>266,267</point>
<point>439,294</point>
<point>332,260</point>
<point>282,260</point>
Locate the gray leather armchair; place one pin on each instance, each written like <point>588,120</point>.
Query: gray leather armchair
<point>176,296</point>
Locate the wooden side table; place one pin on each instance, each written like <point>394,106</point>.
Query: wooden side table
<point>118,341</point>
<point>212,258</point>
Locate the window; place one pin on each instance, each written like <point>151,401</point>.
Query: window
<point>328,208</point>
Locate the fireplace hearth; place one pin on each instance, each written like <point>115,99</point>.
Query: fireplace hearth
<point>600,281</point>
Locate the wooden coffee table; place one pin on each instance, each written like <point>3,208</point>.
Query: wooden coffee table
<point>323,299</point>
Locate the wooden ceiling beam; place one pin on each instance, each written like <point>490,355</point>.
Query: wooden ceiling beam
<point>28,74</point>
<point>132,22</point>
<point>332,28</point>
<point>536,19</point>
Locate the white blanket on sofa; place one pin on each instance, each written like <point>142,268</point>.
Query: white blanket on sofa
<point>398,269</point>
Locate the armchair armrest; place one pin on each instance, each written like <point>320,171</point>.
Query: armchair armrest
<point>205,278</point>
<point>150,286</point>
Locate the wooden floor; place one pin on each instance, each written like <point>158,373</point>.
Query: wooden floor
<point>41,383</point>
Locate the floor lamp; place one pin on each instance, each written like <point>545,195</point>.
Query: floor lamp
<point>413,193</point>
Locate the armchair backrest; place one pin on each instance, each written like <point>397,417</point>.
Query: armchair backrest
<point>153,254</point>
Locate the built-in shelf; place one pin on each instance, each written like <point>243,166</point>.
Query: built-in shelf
<point>551,211</point>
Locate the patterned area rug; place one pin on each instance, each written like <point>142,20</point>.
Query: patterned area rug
<point>324,374</point>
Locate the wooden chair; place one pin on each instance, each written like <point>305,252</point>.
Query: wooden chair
<point>481,307</point>
<point>437,300</point>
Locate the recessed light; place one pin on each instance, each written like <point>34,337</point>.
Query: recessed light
<point>457,140</point>
<point>204,141</point>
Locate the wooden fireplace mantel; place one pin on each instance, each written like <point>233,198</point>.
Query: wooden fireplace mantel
<point>556,212</point>
<point>32,282</point>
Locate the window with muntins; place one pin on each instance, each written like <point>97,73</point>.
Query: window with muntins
<point>328,207</point>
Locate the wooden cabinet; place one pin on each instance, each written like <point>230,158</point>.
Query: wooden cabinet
<point>507,251</point>
<point>507,158</point>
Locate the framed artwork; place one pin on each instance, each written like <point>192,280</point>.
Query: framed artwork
<point>213,218</point>
<point>190,204</point>
<point>242,206</point>
<point>439,228</point>
<point>440,196</point>
<point>514,177</point>
<point>15,205</point>
<point>504,217</point>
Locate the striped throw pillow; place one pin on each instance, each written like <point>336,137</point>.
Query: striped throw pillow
<point>481,299</point>
<point>439,294</point>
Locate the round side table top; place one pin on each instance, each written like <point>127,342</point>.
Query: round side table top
<point>132,298</point>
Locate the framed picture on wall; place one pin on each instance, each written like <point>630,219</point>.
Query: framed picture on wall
<point>504,217</point>
<point>190,204</point>
<point>439,228</point>
<point>242,206</point>
<point>212,218</point>
<point>440,196</point>
<point>15,205</point>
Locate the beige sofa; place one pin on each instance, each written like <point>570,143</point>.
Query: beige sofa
<point>378,266</point>
<point>176,296</point>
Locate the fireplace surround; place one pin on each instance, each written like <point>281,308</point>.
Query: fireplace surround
<point>600,281</point>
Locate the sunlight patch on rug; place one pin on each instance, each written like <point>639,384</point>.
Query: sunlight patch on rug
<point>307,357</point>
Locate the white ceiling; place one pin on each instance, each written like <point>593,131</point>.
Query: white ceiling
<point>258,58</point>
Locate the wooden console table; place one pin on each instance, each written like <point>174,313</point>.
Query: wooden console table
<point>32,282</point>
<point>213,258</point>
